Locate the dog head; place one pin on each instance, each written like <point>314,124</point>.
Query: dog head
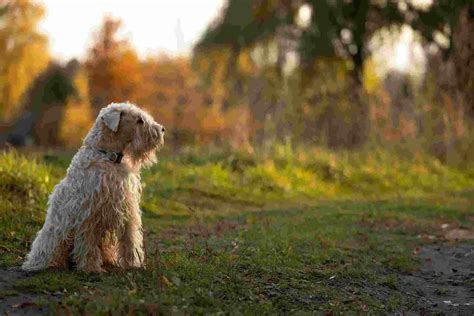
<point>123,127</point>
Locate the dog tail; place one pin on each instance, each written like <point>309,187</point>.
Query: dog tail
<point>42,249</point>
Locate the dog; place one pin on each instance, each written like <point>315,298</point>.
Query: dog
<point>93,217</point>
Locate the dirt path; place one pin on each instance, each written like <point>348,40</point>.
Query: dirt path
<point>444,285</point>
<point>15,303</point>
<point>445,282</point>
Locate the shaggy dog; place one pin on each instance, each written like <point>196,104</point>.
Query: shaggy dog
<point>93,214</point>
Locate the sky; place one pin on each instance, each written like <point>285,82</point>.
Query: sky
<point>172,27</point>
<point>152,26</point>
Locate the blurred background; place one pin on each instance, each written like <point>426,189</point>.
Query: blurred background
<point>244,74</point>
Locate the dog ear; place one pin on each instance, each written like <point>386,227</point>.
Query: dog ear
<point>112,119</point>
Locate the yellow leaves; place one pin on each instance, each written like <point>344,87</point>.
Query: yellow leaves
<point>371,79</point>
<point>212,121</point>
<point>76,122</point>
<point>220,68</point>
<point>23,54</point>
<point>168,91</point>
<point>132,292</point>
<point>171,93</point>
<point>126,70</point>
<point>166,282</point>
<point>245,63</point>
<point>113,67</point>
<point>78,116</point>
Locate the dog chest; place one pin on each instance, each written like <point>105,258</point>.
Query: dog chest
<point>117,198</point>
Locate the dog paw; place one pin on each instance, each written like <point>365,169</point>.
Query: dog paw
<point>32,268</point>
<point>94,270</point>
<point>136,268</point>
<point>130,265</point>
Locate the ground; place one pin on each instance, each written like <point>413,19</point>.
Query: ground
<point>242,234</point>
<point>444,283</point>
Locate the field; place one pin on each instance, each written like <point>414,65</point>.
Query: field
<point>290,231</point>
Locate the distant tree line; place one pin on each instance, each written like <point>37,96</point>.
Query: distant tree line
<point>264,71</point>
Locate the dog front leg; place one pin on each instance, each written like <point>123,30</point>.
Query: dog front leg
<point>130,239</point>
<point>108,248</point>
<point>87,252</point>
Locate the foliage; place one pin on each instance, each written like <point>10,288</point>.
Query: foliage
<point>310,62</point>
<point>335,28</point>
<point>265,72</point>
<point>56,107</point>
<point>78,116</point>
<point>170,93</point>
<point>23,53</point>
<point>113,67</point>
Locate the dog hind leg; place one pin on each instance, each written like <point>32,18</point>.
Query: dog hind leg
<point>43,248</point>
<point>108,248</point>
<point>87,252</point>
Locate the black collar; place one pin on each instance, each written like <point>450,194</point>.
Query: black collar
<point>114,156</point>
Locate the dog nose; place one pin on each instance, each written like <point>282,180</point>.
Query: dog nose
<point>160,129</point>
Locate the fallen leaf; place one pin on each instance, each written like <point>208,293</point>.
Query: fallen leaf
<point>416,251</point>
<point>24,304</point>
<point>459,234</point>
<point>165,281</point>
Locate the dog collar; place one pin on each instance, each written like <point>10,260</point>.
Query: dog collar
<point>114,156</point>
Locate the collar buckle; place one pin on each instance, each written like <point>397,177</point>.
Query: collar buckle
<point>115,157</point>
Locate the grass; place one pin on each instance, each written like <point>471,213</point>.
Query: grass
<point>303,231</point>
<point>24,187</point>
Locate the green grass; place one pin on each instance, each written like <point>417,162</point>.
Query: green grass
<point>24,187</point>
<point>302,231</point>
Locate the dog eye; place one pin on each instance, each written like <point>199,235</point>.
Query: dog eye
<point>140,121</point>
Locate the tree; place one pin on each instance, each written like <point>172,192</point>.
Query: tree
<point>336,32</point>
<point>336,27</point>
<point>77,118</point>
<point>113,67</point>
<point>56,109</point>
<point>463,57</point>
<point>23,53</point>
<point>171,94</point>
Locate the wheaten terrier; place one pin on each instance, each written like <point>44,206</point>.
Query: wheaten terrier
<point>93,214</point>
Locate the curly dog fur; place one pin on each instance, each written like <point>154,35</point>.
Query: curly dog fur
<point>93,214</point>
